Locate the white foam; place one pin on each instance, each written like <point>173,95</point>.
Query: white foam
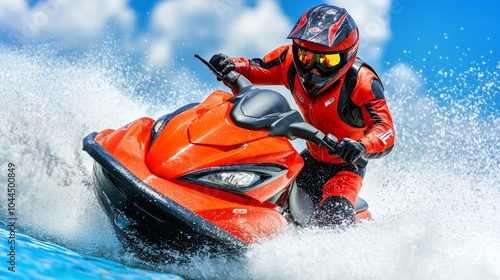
<point>48,105</point>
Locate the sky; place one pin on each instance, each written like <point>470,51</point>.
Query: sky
<point>427,36</point>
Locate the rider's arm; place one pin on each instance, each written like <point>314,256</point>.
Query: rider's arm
<point>271,70</point>
<point>380,135</point>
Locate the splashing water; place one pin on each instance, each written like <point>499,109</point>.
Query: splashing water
<point>48,106</point>
<point>434,198</point>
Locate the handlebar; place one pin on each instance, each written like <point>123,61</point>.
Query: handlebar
<point>292,125</point>
<point>361,162</point>
<point>234,80</point>
<point>330,142</point>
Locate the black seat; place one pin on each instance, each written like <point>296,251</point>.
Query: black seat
<point>258,108</point>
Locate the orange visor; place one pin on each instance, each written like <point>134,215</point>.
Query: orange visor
<point>325,60</point>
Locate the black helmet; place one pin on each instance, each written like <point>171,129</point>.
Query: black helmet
<point>325,44</point>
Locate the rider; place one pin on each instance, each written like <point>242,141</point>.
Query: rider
<point>337,93</point>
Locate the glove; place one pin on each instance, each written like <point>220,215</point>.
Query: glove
<point>350,150</point>
<point>222,63</point>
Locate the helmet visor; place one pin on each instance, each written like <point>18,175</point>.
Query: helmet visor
<point>325,62</point>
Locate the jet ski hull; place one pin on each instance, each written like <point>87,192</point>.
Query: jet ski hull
<point>141,215</point>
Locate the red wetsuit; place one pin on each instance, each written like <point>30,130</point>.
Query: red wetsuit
<point>357,111</point>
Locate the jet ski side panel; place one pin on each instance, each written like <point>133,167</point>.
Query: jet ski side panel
<point>133,191</point>
<point>207,211</point>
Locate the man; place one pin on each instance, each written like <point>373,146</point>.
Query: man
<point>337,93</point>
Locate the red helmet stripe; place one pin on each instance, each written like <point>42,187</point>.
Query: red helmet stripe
<point>302,22</point>
<point>334,28</point>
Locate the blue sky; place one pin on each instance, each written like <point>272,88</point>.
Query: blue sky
<point>426,35</point>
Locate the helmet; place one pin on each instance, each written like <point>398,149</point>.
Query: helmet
<point>325,44</point>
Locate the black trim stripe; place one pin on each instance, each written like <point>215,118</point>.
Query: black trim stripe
<point>349,112</point>
<point>378,89</point>
<point>373,115</point>
<point>292,72</point>
<point>260,63</point>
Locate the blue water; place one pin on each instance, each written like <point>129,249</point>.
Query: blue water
<point>35,259</point>
<point>434,200</point>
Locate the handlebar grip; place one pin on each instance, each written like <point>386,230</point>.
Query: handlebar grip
<point>362,162</point>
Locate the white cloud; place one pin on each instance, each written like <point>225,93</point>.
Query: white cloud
<point>10,13</point>
<point>70,20</point>
<point>257,31</point>
<point>215,26</point>
<point>90,16</point>
<point>373,20</point>
<point>175,21</point>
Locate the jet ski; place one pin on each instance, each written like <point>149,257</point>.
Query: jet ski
<point>220,173</point>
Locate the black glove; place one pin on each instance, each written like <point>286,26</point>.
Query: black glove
<point>222,63</point>
<point>350,150</point>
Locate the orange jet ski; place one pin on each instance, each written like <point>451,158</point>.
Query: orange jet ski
<point>220,173</point>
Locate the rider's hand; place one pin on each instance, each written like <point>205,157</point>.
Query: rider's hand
<point>222,63</point>
<point>350,150</point>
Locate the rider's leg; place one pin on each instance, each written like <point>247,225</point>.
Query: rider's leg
<point>337,206</point>
<point>333,188</point>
